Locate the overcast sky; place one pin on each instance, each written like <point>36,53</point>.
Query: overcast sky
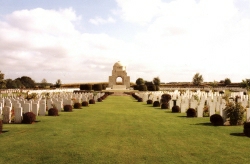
<point>80,40</point>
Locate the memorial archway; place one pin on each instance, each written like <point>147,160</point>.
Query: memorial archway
<point>119,71</point>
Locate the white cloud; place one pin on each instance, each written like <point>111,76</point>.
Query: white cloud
<point>139,11</point>
<point>181,37</point>
<point>99,20</point>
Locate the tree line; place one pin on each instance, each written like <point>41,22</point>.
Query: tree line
<point>25,82</point>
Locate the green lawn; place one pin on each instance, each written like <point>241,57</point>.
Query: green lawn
<point>121,130</point>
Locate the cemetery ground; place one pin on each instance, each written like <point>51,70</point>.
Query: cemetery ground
<point>122,130</point>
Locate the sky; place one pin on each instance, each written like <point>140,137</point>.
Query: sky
<point>80,40</point>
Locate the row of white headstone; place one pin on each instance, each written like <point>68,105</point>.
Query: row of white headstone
<point>198,100</point>
<point>40,105</point>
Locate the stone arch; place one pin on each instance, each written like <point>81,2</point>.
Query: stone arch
<point>119,70</point>
<point>119,80</point>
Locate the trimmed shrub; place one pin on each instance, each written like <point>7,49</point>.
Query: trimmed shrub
<point>29,118</point>
<point>1,126</point>
<point>176,109</point>
<point>77,105</point>
<point>216,120</point>
<point>149,101</point>
<point>53,112</point>
<point>164,106</point>
<point>156,104</point>
<point>165,98</point>
<point>139,99</point>
<point>91,101</point>
<point>247,129</point>
<point>85,103</point>
<point>191,112</point>
<point>99,99</point>
<point>67,108</point>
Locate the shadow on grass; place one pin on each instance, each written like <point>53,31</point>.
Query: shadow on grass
<point>204,124</point>
<point>238,134</point>
<point>5,131</point>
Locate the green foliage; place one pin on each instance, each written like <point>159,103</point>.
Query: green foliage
<point>1,76</point>
<point>191,112</point>
<point>139,99</point>
<point>157,81</point>
<point>205,111</point>
<point>235,113</point>
<point>156,104</point>
<point>176,109</point>
<point>29,118</point>
<point>67,108</point>
<point>149,101</point>
<point>165,98</point>
<point>58,83</point>
<point>216,120</point>
<point>27,82</point>
<point>142,88</point>
<point>164,106</point>
<point>53,112</point>
<point>227,81</point>
<point>43,83</point>
<point>97,87</point>
<point>87,87</point>
<point>140,81</point>
<point>32,96</point>
<point>85,103</point>
<point>197,79</point>
<point>246,129</point>
<point>91,101</point>
<point>77,105</point>
<point>151,87</point>
<point>246,84</point>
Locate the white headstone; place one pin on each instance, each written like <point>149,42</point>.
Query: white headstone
<point>26,107</point>
<point>42,109</point>
<point>200,111</point>
<point>35,108</point>
<point>18,115</point>
<point>6,114</point>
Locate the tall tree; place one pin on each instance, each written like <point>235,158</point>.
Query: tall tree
<point>58,83</point>
<point>157,81</point>
<point>227,81</point>
<point>2,81</point>
<point>10,83</point>
<point>246,84</point>
<point>140,81</point>
<point>197,79</point>
<point>44,83</point>
<point>27,82</point>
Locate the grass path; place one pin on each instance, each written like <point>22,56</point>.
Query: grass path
<point>121,130</point>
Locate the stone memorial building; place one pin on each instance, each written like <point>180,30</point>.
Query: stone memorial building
<point>119,70</point>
